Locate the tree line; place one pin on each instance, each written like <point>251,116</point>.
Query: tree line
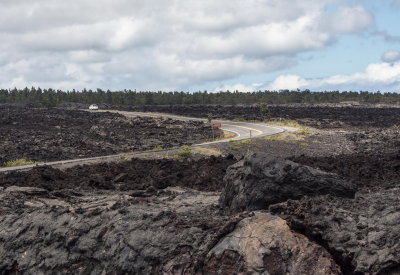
<point>51,97</point>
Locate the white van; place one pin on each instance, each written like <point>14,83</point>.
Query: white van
<point>93,107</point>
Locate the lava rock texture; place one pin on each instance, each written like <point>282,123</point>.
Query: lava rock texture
<point>256,182</point>
<point>363,233</point>
<point>317,115</point>
<point>264,243</point>
<point>138,175</point>
<point>105,233</point>
<point>57,134</point>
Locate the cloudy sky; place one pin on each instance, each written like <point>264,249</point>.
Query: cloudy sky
<point>195,45</point>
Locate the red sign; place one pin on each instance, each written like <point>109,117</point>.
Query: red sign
<point>216,125</point>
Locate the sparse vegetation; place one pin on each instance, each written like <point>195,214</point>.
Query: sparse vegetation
<point>186,151</point>
<point>228,134</point>
<point>305,131</point>
<point>265,112</point>
<point>123,157</point>
<point>235,147</point>
<point>244,141</point>
<point>19,162</point>
<point>286,136</point>
<point>289,123</point>
<point>206,151</point>
<point>209,118</point>
<point>302,130</point>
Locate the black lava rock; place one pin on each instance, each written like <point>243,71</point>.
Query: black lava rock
<point>256,182</point>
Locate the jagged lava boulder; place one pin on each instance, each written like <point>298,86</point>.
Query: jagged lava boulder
<point>256,182</point>
<point>264,244</point>
<point>362,234</point>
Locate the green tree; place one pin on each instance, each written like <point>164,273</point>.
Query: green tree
<point>265,113</point>
<point>209,117</point>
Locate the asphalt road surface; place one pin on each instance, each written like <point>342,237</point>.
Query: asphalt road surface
<point>242,130</point>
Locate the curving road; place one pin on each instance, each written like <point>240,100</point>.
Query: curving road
<point>242,130</point>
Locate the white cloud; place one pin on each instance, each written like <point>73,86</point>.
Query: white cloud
<point>378,76</point>
<point>239,87</point>
<point>391,56</point>
<point>375,74</point>
<point>349,19</point>
<point>88,56</point>
<point>171,44</point>
<point>288,82</point>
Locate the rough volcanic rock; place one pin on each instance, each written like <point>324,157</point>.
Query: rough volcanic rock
<point>264,244</point>
<point>363,233</point>
<point>57,134</point>
<point>169,232</point>
<point>255,182</point>
<point>375,161</point>
<point>320,116</point>
<point>104,233</point>
<point>203,174</point>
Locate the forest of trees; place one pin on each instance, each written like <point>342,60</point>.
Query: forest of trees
<point>50,97</point>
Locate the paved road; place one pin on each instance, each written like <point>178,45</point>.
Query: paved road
<point>242,130</point>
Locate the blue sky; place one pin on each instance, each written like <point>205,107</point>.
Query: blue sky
<point>195,45</point>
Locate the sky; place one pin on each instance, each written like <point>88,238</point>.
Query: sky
<point>192,45</point>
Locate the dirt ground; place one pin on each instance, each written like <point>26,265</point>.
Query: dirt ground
<point>57,134</point>
<point>164,216</point>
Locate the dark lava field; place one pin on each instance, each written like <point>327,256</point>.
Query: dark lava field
<point>326,204</point>
<point>57,134</point>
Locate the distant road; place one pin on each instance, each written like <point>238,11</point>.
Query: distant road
<point>242,130</point>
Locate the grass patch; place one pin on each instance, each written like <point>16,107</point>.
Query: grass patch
<point>158,148</point>
<point>123,157</point>
<point>235,147</point>
<point>228,134</point>
<point>19,162</point>
<point>243,141</point>
<point>206,151</point>
<point>302,130</point>
<point>289,123</point>
<point>305,131</point>
<point>287,136</point>
<point>186,151</point>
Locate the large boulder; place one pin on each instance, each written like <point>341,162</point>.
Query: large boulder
<point>256,182</point>
<point>362,233</point>
<point>264,244</point>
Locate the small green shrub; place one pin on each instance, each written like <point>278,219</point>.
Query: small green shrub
<point>19,162</point>
<point>304,131</point>
<point>235,148</point>
<point>186,151</point>
<point>265,112</point>
<point>123,157</point>
<point>246,141</point>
